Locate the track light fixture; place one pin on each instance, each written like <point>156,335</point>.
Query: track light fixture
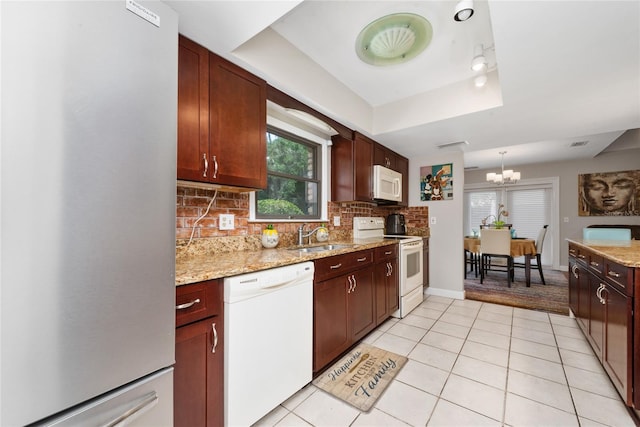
<point>464,10</point>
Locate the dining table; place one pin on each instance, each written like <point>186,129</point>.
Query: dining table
<point>519,247</point>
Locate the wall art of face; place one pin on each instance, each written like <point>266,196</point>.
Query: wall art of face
<point>609,193</point>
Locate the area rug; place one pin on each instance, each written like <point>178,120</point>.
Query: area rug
<point>552,297</point>
<point>360,377</point>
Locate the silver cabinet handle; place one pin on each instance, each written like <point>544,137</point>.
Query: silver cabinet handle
<point>388,253</point>
<point>594,264</point>
<point>206,165</point>
<point>333,267</point>
<point>613,274</point>
<point>581,256</point>
<point>215,167</point>
<point>390,269</point>
<point>350,285</point>
<point>146,402</point>
<point>355,282</point>
<point>603,301</point>
<point>574,269</point>
<point>362,259</point>
<point>188,304</point>
<point>215,338</point>
<point>599,293</point>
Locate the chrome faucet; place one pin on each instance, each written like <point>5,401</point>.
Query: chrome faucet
<point>302,235</point>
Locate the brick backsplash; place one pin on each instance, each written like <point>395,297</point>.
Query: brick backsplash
<point>191,203</point>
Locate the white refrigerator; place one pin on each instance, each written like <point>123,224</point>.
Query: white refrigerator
<point>87,211</point>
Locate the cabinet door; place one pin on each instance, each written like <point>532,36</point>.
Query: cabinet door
<point>330,329</point>
<point>584,298</point>
<point>363,168</point>
<point>199,374</point>
<point>393,287</point>
<point>361,313</point>
<point>574,287</point>
<point>380,273</point>
<point>617,340</point>
<point>402,166</point>
<point>597,313</point>
<point>383,156</point>
<point>193,111</point>
<point>238,125</point>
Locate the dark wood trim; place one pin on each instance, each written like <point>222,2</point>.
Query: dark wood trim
<point>287,101</point>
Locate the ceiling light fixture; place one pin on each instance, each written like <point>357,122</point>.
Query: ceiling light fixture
<point>508,176</point>
<point>464,10</point>
<point>479,61</point>
<point>393,39</point>
<point>480,65</point>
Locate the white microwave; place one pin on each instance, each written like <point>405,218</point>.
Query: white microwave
<point>387,184</point>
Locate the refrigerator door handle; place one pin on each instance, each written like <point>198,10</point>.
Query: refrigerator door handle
<point>147,402</point>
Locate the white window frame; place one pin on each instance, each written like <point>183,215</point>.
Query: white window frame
<point>325,172</point>
<point>553,232</point>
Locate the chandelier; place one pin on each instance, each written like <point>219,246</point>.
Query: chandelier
<point>506,177</point>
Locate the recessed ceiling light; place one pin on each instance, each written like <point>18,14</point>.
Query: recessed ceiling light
<point>393,39</point>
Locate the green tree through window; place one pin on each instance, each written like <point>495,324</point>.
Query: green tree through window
<point>293,184</point>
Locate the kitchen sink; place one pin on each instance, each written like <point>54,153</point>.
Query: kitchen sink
<point>320,248</point>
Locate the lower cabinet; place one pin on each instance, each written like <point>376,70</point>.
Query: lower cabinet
<point>199,369</point>
<point>601,295</point>
<point>343,304</point>
<point>386,282</point>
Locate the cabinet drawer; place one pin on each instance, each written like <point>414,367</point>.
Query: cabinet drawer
<point>595,262</point>
<point>385,252</point>
<point>619,275</point>
<point>339,264</point>
<point>198,301</point>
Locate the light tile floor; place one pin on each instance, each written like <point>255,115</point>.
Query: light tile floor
<point>475,364</point>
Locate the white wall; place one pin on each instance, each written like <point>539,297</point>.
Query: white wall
<point>446,275</point>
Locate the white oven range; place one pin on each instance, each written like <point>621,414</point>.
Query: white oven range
<point>409,261</point>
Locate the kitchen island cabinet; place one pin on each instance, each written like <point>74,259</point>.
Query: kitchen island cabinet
<point>343,304</point>
<point>221,120</point>
<point>604,283</point>
<point>199,369</point>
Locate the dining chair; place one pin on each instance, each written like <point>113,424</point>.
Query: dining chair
<point>495,243</point>
<point>539,241</point>
<point>471,260</point>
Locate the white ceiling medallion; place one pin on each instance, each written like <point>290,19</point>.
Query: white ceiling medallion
<point>393,39</point>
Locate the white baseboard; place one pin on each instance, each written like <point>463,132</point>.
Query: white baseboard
<point>447,293</point>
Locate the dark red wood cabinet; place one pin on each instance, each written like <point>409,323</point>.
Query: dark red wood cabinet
<point>199,369</point>
<point>601,296</point>
<point>222,116</point>
<point>343,304</point>
<point>386,281</point>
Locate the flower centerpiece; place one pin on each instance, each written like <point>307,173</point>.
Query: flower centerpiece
<point>498,223</point>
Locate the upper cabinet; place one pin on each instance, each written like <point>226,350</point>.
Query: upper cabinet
<point>221,120</point>
<point>352,168</point>
<point>352,163</point>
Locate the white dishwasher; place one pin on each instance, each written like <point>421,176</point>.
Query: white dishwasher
<point>268,348</point>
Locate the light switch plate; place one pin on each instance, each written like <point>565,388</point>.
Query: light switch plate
<point>336,221</point>
<point>433,220</point>
<point>226,222</point>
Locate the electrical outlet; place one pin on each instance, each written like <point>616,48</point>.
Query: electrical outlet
<point>433,220</point>
<point>226,222</point>
<point>566,219</point>
<point>336,221</point>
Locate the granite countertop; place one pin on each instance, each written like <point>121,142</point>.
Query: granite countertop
<point>200,267</point>
<point>625,252</point>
